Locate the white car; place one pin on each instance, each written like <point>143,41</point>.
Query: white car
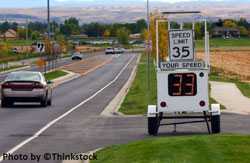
<point>77,56</point>
<point>26,86</point>
<point>110,51</point>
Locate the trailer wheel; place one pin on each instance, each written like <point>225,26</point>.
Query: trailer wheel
<point>215,124</point>
<point>153,125</point>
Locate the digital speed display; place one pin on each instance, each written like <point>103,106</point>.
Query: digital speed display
<point>182,84</point>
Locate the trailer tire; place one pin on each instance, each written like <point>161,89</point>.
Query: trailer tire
<point>215,124</point>
<point>153,125</point>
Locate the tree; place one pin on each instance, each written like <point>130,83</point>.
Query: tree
<point>106,33</point>
<point>198,31</point>
<point>123,36</point>
<point>21,32</point>
<point>62,42</point>
<point>4,26</point>
<point>243,22</point>
<point>228,23</point>
<point>70,26</point>
<point>219,23</point>
<point>141,25</point>
<point>163,36</point>
<point>35,35</point>
<point>243,31</point>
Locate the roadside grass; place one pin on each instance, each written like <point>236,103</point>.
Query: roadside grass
<point>225,43</point>
<point>136,101</point>
<point>219,75</point>
<point>195,149</point>
<point>11,57</point>
<point>55,74</point>
<point>17,42</point>
<point>11,68</point>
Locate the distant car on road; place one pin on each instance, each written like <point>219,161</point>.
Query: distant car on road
<point>26,86</point>
<point>77,56</point>
<point>109,51</point>
<point>119,50</point>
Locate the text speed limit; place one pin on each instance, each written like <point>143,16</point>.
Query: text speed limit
<point>181,45</point>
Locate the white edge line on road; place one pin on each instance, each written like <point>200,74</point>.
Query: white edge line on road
<point>37,134</point>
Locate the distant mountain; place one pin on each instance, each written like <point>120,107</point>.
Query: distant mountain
<point>126,10</point>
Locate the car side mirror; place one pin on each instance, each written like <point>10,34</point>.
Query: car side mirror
<point>49,82</point>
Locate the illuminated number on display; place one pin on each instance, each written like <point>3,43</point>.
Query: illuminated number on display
<point>182,84</point>
<point>177,85</point>
<point>190,84</point>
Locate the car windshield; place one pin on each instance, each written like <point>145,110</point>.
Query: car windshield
<point>23,76</point>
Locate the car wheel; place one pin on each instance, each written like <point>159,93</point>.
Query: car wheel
<point>44,102</point>
<point>153,125</point>
<point>49,102</point>
<point>6,103</point>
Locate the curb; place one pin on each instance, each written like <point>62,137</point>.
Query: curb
<point>70,76</point>
<point>112,108</point>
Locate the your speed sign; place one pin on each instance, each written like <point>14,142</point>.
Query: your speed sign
<point>181,45</point>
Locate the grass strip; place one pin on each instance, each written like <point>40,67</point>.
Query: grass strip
<point>55,74</point>
<point>195,149</point>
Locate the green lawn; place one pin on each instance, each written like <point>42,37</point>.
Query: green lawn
<point>217,75</point>
<point>225,43</point>
<point>136,101</point>
<point>55,74</point>
<point>180,149</point>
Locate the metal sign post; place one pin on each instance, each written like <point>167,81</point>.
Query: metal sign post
<point>182,82</point>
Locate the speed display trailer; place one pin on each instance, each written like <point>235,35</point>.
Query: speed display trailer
<point>182,82</point>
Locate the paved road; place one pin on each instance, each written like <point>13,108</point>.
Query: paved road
<point>84,129</point>
<point>21,122</point>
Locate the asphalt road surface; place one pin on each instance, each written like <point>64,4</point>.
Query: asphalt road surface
<point>83,129</point>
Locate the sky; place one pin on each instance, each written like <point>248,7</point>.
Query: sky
<point>42,3</point>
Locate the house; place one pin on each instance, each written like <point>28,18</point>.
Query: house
<point>135,36</point>
<point>80,36</point>
<point>9,35</point>
<point>226,32</point>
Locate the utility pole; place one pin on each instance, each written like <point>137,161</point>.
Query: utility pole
<point>148,52</point>
<point>48,19</point>
<point>48,32</point>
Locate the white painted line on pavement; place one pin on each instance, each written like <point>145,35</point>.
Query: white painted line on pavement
<point>37,134</point>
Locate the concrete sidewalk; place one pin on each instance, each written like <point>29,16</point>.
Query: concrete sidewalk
<point>231,97</point>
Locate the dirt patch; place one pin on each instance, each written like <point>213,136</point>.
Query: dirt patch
<point>231,62</point>
<point>85,48</point>
<point>87,65</point>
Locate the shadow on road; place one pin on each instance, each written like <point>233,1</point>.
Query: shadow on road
<point>26,106</point>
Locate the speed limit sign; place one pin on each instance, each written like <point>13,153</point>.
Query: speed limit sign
<point>181,45</point>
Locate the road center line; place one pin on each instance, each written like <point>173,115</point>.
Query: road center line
<point>38,133</point>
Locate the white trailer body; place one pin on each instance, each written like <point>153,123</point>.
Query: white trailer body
<point>182,91</point>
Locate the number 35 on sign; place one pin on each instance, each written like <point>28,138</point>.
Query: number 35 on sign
<point>181,45</point>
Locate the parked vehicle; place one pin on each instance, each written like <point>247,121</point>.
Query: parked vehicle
<point>26,86</point>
